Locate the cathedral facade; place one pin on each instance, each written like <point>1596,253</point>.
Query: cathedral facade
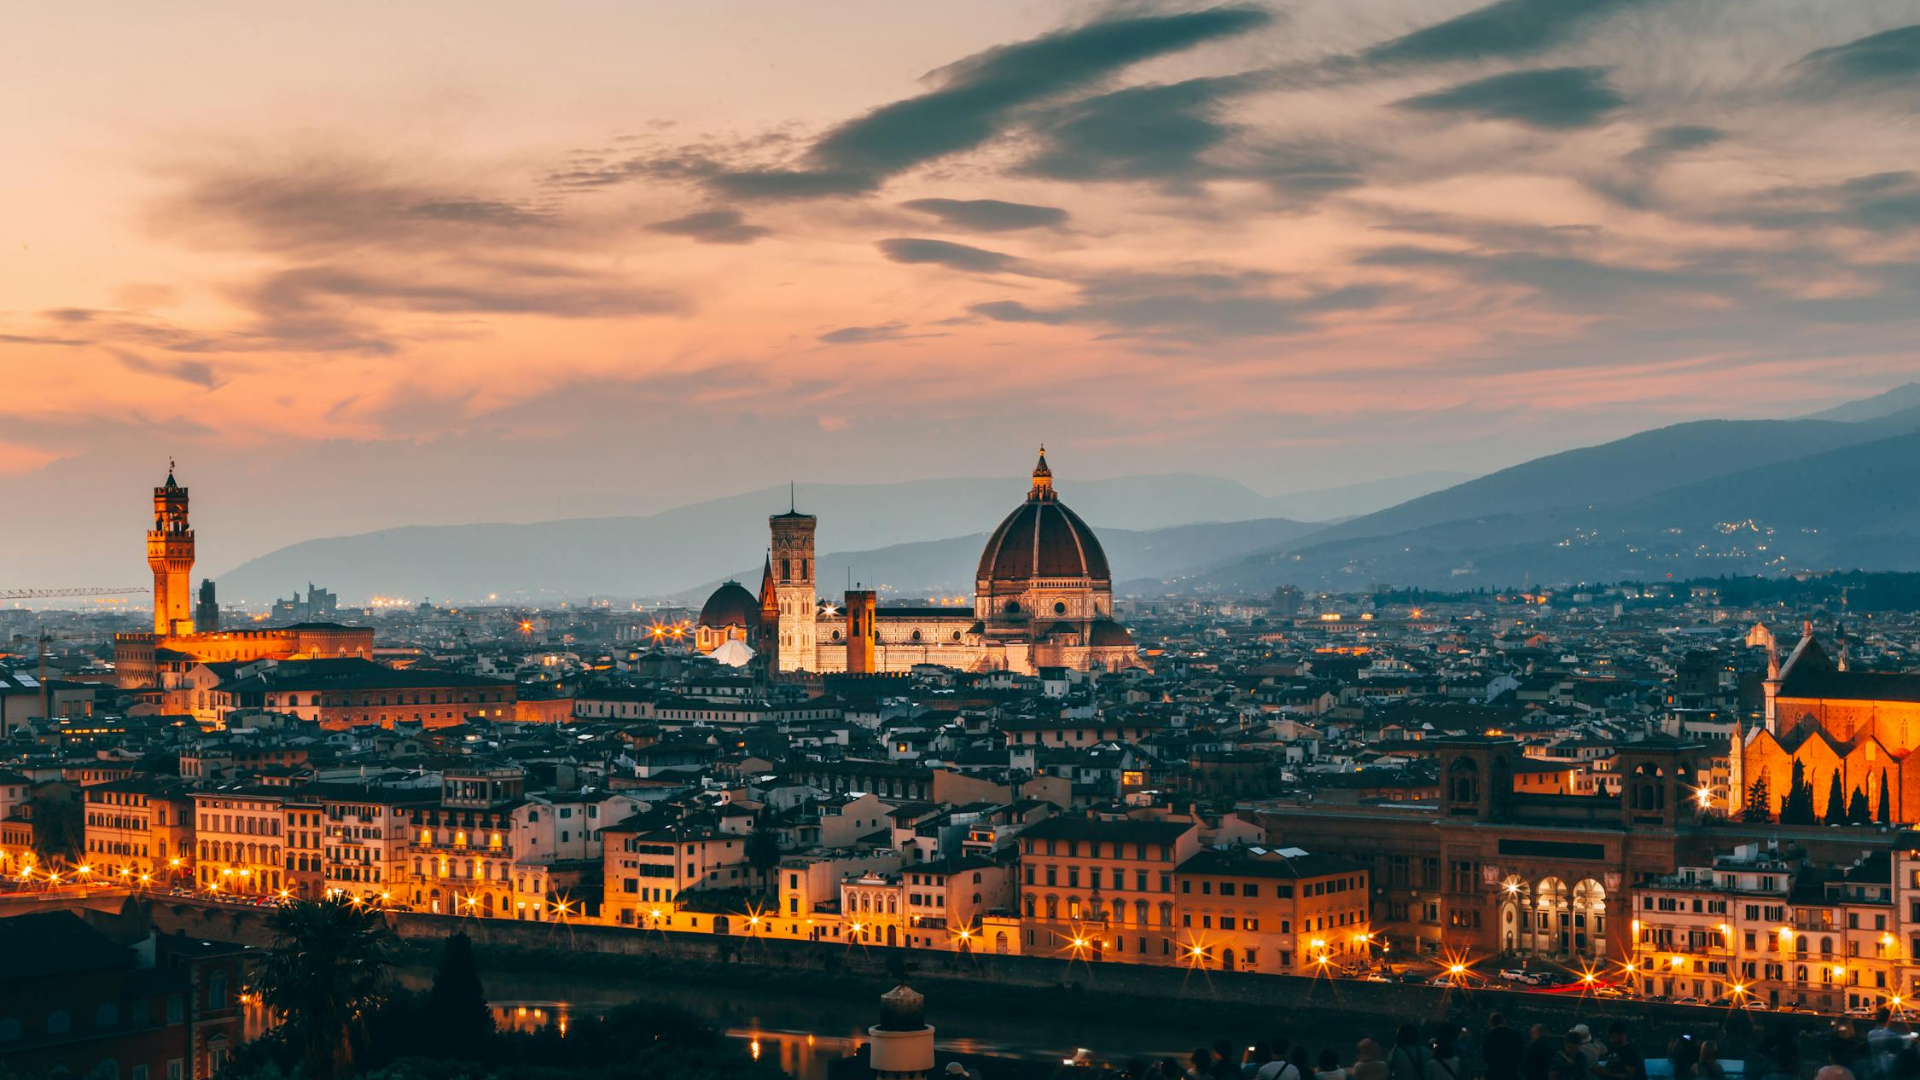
<point>1862,726</point>
<point>1043,597</point>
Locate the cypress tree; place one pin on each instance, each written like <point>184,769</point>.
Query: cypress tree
<point>455,1021</point>
<point>1836,800</point>
<point>1797,809</point>
<point>1760,798</point>
<point>1886,800</point>
<point>1857,813</point>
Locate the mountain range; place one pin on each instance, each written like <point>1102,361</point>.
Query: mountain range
<point>1830,491</point>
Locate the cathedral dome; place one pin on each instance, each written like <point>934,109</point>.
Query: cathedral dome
<point>1042,539</point>
<point>730,605</point>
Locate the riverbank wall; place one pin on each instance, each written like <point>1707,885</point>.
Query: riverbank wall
<point>1209,1003</point>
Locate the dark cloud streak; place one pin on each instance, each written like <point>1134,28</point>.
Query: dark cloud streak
<point>1552,98</point>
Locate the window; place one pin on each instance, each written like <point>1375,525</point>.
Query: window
<point>9,1029</point>
<point>59,1022</point>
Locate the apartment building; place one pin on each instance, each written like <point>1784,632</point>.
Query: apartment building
<point>1102,889</point>
<point>1276,910</point>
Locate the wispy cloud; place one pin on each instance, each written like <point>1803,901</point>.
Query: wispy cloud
<point>1568,97</point>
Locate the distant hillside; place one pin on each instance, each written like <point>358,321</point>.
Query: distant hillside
<point>1146,560</point>
<point>1350,500</point>
<point>1897,400</point>
<point>663,554</point>
<point>1855,506</point>
<point>1628,468</point>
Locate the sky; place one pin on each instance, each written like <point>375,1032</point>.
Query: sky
<point>358,265</point>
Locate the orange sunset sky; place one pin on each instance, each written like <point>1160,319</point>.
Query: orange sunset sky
<point>358,265</point>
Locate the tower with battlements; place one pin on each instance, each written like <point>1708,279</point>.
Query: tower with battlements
<point>170,555</point>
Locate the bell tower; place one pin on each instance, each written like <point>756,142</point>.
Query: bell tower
<point>792,566</point>
<point>170,555</point>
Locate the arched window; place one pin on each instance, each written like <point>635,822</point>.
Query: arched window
<point>59,1022</point>
<point>108,1069</point>
<point>107,1015</point>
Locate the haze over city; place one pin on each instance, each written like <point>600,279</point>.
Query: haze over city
<point>366,267</point>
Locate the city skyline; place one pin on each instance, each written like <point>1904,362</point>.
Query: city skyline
<point>513,267</point>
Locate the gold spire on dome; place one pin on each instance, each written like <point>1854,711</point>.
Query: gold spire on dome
<point>1042,478</point>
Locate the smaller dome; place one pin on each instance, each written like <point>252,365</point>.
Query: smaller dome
<point>730,605</point>
<point>1107,633</point>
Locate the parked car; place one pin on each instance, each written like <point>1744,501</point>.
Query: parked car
<point>1520,975</point>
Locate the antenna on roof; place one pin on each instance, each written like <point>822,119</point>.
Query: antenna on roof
<point>793,503</point>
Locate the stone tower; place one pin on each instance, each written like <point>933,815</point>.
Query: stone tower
<point>862,634</point>
<point>206,615</point>
<point>170,554</point>
<point>792,565</point>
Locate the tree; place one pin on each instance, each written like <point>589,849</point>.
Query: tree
<point>326,969</point>
<point>763,851</point>
<point>1857,813</point>
<point>1759,806</point>
<point>1886,800</point>
<point>1836,800</point>
<point>1797,809</point>
<point>455,1022</point>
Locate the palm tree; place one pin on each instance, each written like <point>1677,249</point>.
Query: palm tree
<point>326,969</point>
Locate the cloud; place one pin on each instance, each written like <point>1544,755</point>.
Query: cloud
<point>990,215</point>
<point>304,204</point>
<point>1881,202</point>
<point>953,256</point>
<point>974,100</point>
<point>1140,133</point>
<point>197,372</point>
<point>713,227</point>
<point>863,335</point>
<point>1662,143</point>
<point>1505,30</point>
<point>499,289</point>
<point>1570,281</point>
<point>32,339</point>
<point>1568,97</point>
<point>1889,57</point>
<point>1186,306</point>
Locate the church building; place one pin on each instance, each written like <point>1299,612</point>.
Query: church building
<point>1862,725</point>
<point>1043,597</point>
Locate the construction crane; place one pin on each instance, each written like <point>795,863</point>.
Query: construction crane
<point>44,594</point>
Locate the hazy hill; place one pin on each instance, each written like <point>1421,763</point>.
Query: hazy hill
<point>1897,400</point>
<point>1628,468</point>
<point>946,567</point>
<point>1855,506</point>
<point>665,553</point>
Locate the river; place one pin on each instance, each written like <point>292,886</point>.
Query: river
<point>804,1035</point>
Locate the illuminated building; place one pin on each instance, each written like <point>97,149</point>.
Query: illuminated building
<point>1043,598</point>
<point>239,841</point>
<point>351,692</point>
<point>1862,725</point>
<point>139,831</point>
<point>1092,887</point>
<point>1493,869</point>
<point>174,646</point>
<point>1282,911</point>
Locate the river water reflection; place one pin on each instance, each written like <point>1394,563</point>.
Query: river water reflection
<point>803,1035</point>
